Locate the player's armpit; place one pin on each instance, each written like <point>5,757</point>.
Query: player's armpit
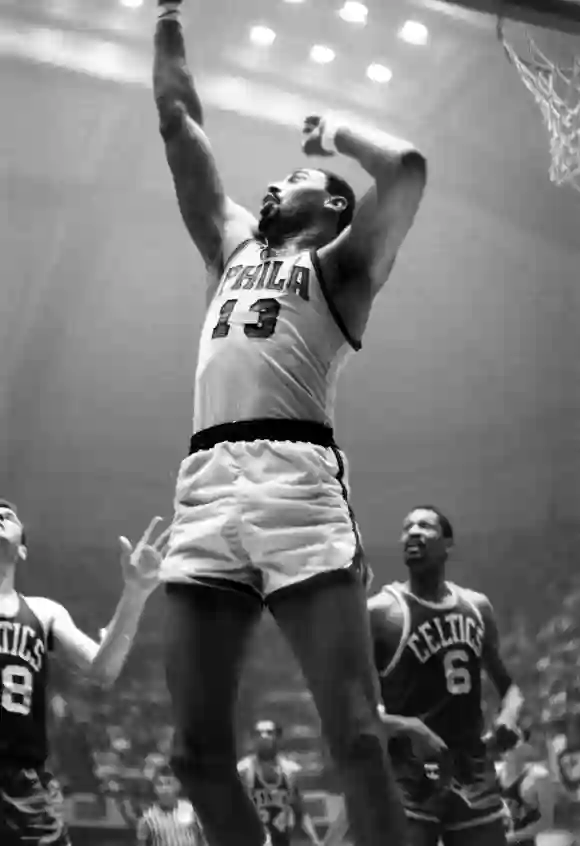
<point>367,249</point>
<point>72,643</point>
<point>216,224</point>
<point>387,628</point>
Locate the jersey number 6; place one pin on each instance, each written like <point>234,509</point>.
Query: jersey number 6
<point>457,675</point>
<point>267,311</point>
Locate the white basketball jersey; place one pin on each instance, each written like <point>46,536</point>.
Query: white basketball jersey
<point>271,344</point>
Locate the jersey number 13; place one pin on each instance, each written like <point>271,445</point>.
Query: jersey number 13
<point>261,323</point>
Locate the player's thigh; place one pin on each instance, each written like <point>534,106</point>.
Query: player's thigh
<point>206,633</point>
<point>422,832</point>
<point>484,834</point>
<point>326,622</point>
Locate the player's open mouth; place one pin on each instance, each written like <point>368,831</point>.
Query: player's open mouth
<point>415,546</point>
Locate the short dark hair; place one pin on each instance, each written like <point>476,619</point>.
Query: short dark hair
<point>162,771</point>
<point>5,503</point>
<point>339,187</point>
<point>444,522</point>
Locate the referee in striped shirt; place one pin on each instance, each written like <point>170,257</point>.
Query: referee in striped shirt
<point>170,821</point>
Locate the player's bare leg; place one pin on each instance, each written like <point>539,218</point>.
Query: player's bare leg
<point>207,630</point>
<point>326,622</point>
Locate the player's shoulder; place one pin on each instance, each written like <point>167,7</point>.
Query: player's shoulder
<point>47,610</point>
<point>390,596</point>
<point>480,600</point>
<point>537,772</point>
<point>246,764</point>
<point>289,767</point>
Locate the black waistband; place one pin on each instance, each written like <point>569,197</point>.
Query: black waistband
<point>299,431</point>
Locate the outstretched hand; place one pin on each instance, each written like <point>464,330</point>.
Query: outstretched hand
<point>313,131</point>
<point>141,566</point>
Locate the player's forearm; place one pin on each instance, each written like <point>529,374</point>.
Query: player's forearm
<point>337,830</point>
<point>394,724</point>
<point>511,706</point>
<point>173,85</point>
<point>309,828</point>
<point>119,636</point>
<point>378,153</point>
<point>528,832</point>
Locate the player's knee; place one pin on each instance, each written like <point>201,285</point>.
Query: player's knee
<point>361,744</point>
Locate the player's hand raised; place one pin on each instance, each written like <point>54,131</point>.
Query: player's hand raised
<point>313,132</point>
<point>142,565</point>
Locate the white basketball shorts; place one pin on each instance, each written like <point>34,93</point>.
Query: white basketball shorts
<point>263,504</point>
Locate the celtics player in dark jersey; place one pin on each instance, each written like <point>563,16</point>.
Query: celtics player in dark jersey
<point>432,640</point>
<point>30,629</point>
<point>271,780</point>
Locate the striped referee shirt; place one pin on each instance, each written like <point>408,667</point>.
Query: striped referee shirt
<point>176,826</point>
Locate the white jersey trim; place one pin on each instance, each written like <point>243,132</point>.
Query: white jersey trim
<point>404,634</point>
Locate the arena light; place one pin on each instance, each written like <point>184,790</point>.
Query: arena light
<point>379,73</point>
<point>354,12</point>
<point>322,55</point>
<point>131,4</point>
<point>262,36</point>
<point>294,2</point>
<point>414,32</point>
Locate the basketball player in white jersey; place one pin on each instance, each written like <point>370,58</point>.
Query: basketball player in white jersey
<point>262,512</point>
<point>31,628</point>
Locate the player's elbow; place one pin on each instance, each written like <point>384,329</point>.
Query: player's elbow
<point>412,172</point>
<point>102,676</point>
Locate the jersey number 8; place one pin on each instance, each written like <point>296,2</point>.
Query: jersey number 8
<point>16,689</point>
<point>457,675</point>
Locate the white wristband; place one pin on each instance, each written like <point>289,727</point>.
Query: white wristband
<point>328,137</point>
<point>169,11</point>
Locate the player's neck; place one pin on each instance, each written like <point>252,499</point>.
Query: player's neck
<point>298,242</point>
<point>430,586</point>
<point>6,579</point>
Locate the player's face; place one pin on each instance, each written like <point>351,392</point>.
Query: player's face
<point>422,539</point>
<point>167,789</point>
<point>266,739</point>
<point>10,531</point>
<point>294,201</point>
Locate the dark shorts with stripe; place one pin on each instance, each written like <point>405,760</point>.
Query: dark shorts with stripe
<point>262,505</point>
<point>31,808</point>
<point>462,792</point>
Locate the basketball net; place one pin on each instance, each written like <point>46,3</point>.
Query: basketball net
<point>556,90</point>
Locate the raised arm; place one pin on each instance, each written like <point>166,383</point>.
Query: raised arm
<point>216,224</point>
<point>365,251</point>
<point>103,662</point>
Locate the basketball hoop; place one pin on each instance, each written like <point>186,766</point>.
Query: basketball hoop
<point>556,90</point>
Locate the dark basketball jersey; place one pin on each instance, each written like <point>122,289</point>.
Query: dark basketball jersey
<point>273,799</point>
<point>436,672</point>
<point>24,674</point>
<point>521,813</point>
